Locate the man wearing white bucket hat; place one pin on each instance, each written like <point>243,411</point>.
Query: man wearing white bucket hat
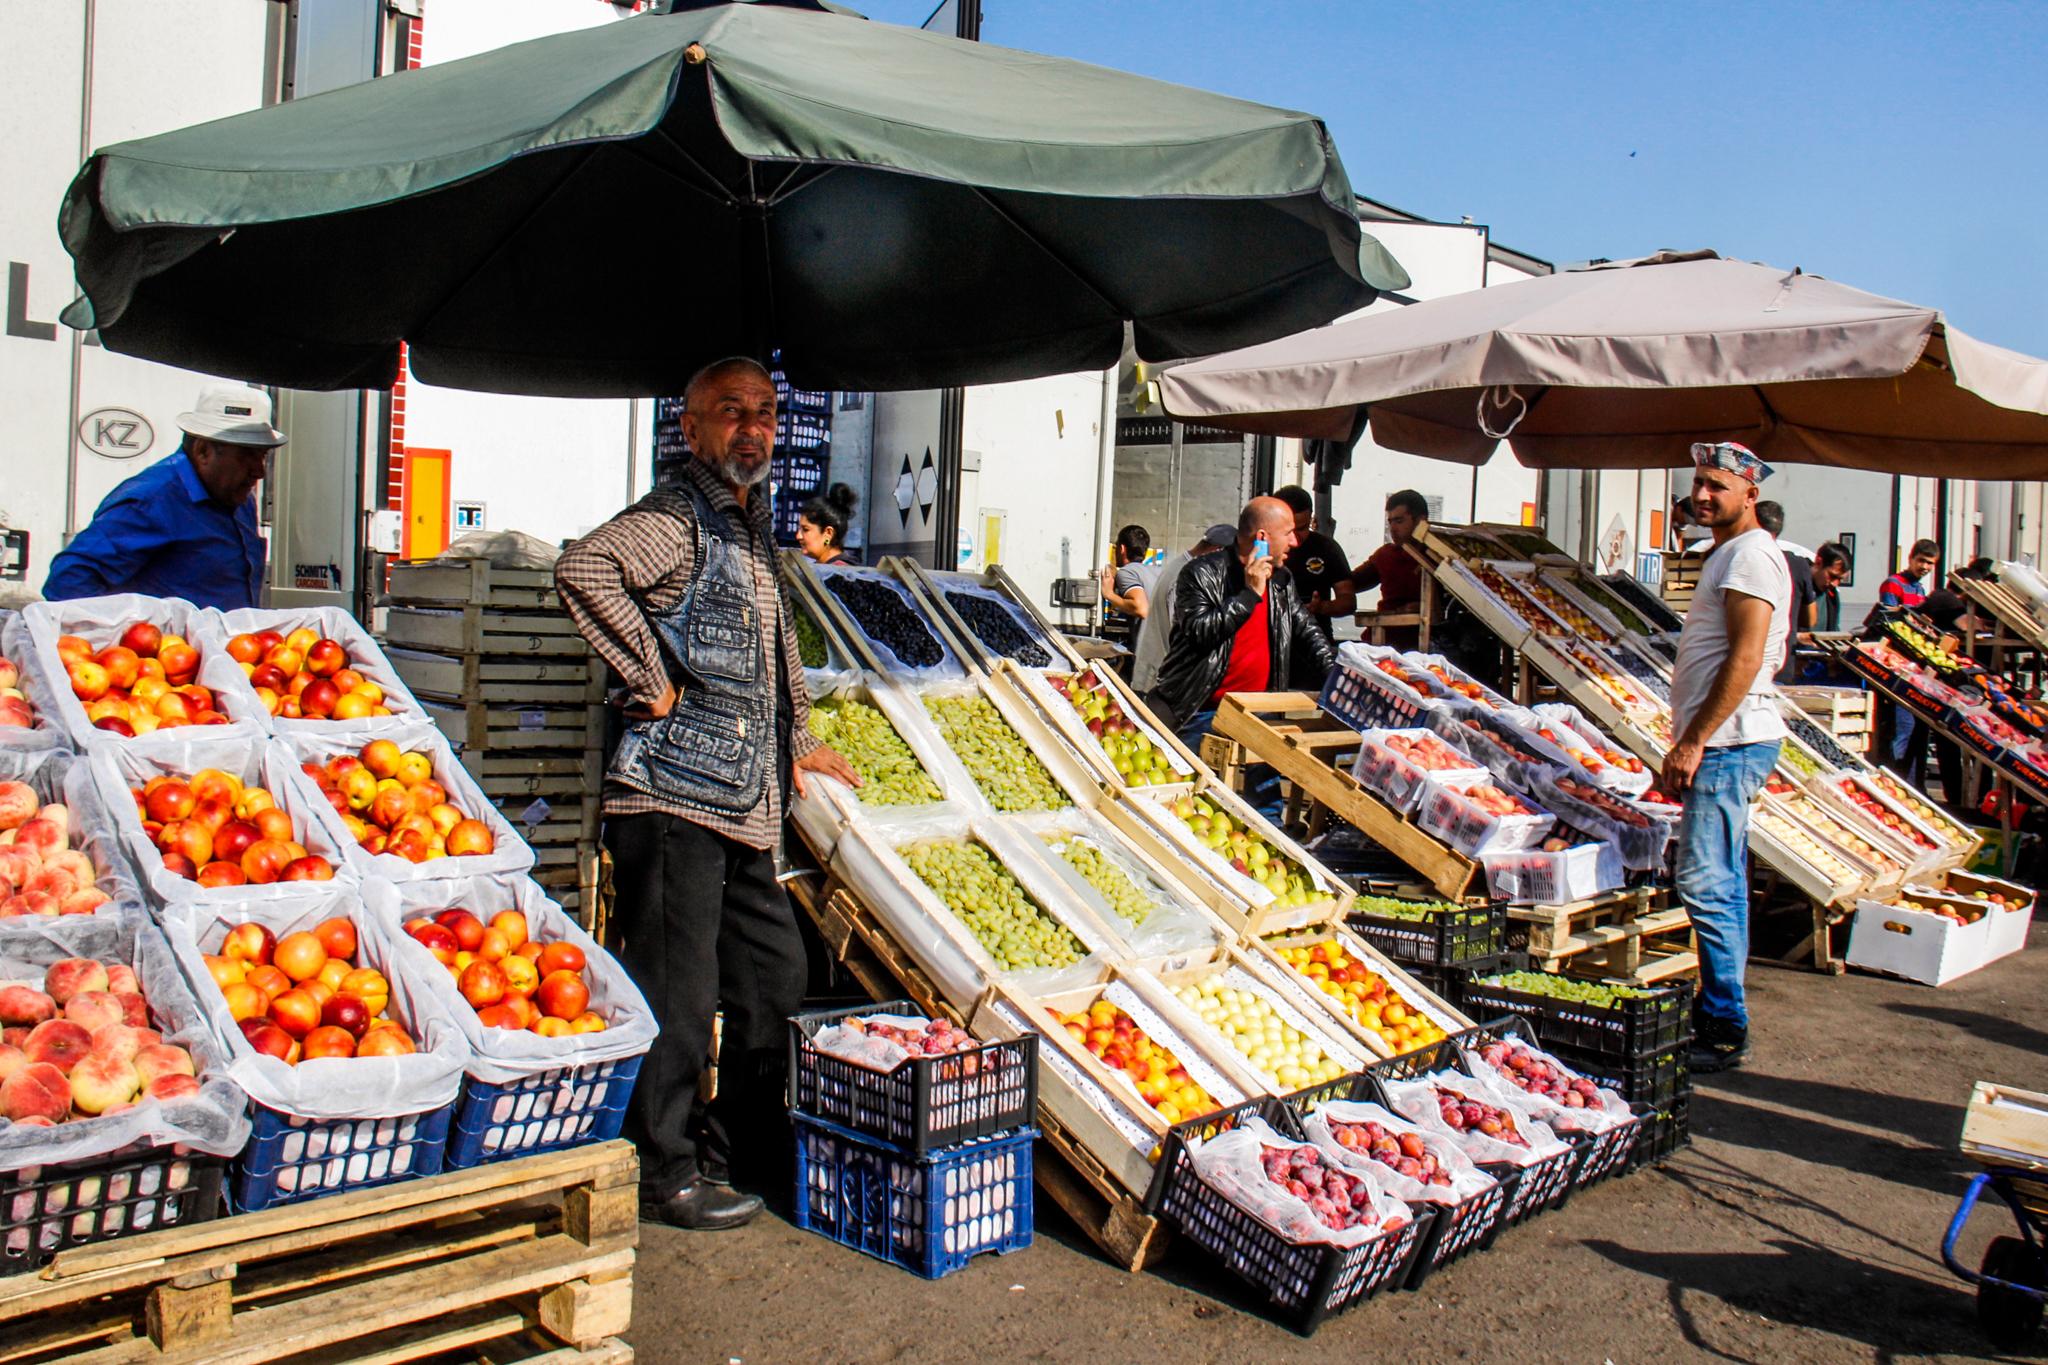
<point>185,526</point>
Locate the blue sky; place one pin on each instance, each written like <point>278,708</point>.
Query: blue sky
<point>1901,148</point>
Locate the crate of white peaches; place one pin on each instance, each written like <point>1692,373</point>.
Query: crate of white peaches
<point>555,1027</point>
<point>120,1112</point>
<point>311,667</point>
<point>972,904</point>
<point>402,807</point>
<point>28,714</point>
<point>1256,1028</point>
<point>131,666</point>
<point>1136,901</point>
<point>1229,856</point>
<point>1127,1073</point>
<point>353,1062</point>
<point>906,771</point>
<point>1330,970</point>
<point>60,851</point>
<point>214,816</point>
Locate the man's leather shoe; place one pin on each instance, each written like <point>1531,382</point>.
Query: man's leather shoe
<point>701,1206</point>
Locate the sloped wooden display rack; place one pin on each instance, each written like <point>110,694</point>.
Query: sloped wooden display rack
<point>525,1260</point>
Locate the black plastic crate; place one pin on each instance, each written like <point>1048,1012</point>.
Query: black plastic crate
<point>1448,983</point>
<point>1201,1130</point>
<point>925,1102</point>
<point>1305,1283</point>
<point>1540,1185</point>
<point>1664,1133</point>
<point>1654,1081</point>
<point>1600,1154</point>
<point>1470,934</point>
<point>1630,1028</point>
<point>48,1209</point>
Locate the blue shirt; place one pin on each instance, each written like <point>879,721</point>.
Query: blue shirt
<point>163,534</point>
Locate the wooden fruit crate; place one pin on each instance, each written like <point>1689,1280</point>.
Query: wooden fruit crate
<point>1844,712</point>
<point>528,1259</point>
<point>1681,578</point>
<point>509,681</point>
<point>2006,1127</point>
<point>473,582</point>
<point>484,630</point>
<point>481,726</point>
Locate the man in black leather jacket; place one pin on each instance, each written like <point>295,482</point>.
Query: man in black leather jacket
<point>1216,598</point>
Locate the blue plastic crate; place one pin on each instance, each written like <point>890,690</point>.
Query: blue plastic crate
<point>930,1214</point>
<point>290,1158</point>
<point>564,1107</point>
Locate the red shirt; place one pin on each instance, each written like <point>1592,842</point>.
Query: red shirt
<point>1251,657</point>
<point>1396,572</point>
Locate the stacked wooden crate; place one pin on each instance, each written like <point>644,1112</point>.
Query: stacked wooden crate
<point>497,663</point>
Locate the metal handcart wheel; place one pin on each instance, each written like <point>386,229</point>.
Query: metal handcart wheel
<point>2012,1282</point>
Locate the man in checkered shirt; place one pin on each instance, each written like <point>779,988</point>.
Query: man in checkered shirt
<point>679,593</point>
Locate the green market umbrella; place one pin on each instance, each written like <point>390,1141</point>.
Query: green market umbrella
<point>597,214</point>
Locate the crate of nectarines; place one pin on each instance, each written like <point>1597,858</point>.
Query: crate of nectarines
<point>128,666</point>
<point>121,1114</point>
<point>555,1027</point>
<point>353,1065</point>
<point>403,807</point>
<point>60,850</point>
<point>222,815</point>
<point>27,719</point>
<point>313,667</point>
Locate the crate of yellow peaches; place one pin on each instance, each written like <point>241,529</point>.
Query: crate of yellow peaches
<point>1375,1000</point>
<point>314,667</point>
<point>555,1027</point>
<point>324,1027</point>
<point>403,807</point>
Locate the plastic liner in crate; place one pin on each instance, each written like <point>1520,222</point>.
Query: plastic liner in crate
<point>1602,1152</point>
<point>1544,1183</point>
<point>48,1209</point>
<point>1632,1026</point>
<point>1306,1282</point>
<point>930,1213</point>
<point>1450,937</point>
<point>923,1102</point>
<point>1655,1080</point>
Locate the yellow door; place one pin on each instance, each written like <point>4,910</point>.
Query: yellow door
<point>425,503</point>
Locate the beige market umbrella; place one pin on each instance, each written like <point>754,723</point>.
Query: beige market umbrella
<point>1625,365</point>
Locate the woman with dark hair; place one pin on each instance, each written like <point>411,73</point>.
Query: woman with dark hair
<point>821,526</point>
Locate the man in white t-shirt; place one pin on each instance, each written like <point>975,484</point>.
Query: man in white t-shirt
<point>1727,731</point>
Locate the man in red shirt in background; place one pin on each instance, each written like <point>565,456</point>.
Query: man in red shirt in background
<point>1237,624</point>
<point>1391,569</point>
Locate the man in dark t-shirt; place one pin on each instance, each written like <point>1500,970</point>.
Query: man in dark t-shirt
<point>1317,561</point>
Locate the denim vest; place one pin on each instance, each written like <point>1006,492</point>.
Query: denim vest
<point>710,751</point>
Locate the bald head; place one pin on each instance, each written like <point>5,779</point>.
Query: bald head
<point>1271,516</point>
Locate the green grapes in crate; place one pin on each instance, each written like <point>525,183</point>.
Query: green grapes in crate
<point>1565,988</point>
<point>890,773</point>
<point>1391,907</point>
<point>811,649</point>
<point>988,900</point>
<point>1120,891</point>
<point>1002,765</point>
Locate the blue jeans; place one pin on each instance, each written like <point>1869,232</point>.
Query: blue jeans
<point>1713,869</point>
<point>1903,725</point>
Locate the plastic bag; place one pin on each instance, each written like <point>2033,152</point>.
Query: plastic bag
<point>1466,1179</point>
<point>1610,1111</point>
<point>1233,1163</point>
<point>1449,812</point>
<point>241,752</point>
<point>504,550</point>
<point>948,665</point>
<point>1174,926</point>
<point>328,1087</point>
<point>502,1056</point>
<point>1046,748</point>
<point>216,1120</point>
<point>1640,845</point>
<point>101,621</point>
<point>1461,728</point>
<point>17,650</point>
<point>869,1050</point>
<point>509,856</point>
<point>1381,766</point>
<point>63,777</point>
<point>1460,687</point>
<point>1618,777</point>
<point>365,656</point>
<point>1415,1100</point>
<point>1055,659</point>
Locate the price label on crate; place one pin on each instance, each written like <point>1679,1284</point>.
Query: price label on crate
<point>534,814</point>
<point>533,719</point>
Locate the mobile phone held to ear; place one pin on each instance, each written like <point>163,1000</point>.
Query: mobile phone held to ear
<point>1260,549</point>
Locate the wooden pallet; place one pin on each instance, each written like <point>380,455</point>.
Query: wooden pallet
<point>484,630</point>
<point>1845,713</point>
<point>479,726</point>
<point>472,582</point>
<point>1310,748</point>
<point>1628,935</point>
<point>400,1272</point>
<point>511,680</point>
<point>1084,1188</point>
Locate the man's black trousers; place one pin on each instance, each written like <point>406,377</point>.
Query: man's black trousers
<point>702,923</point>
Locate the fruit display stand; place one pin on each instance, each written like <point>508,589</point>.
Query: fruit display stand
<point>1312,749</point>
<point>999,609</point>
<point>1167,761</point>
<point>498,666</point>
<point>2021,631</point>
<point>530,1259</point>
<point>1412,997</point>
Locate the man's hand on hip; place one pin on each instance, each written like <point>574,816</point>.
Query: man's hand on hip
<point>823,759</point>
<point>1258,574</point>
<point>654,710</point>
<point>1680,765</point>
